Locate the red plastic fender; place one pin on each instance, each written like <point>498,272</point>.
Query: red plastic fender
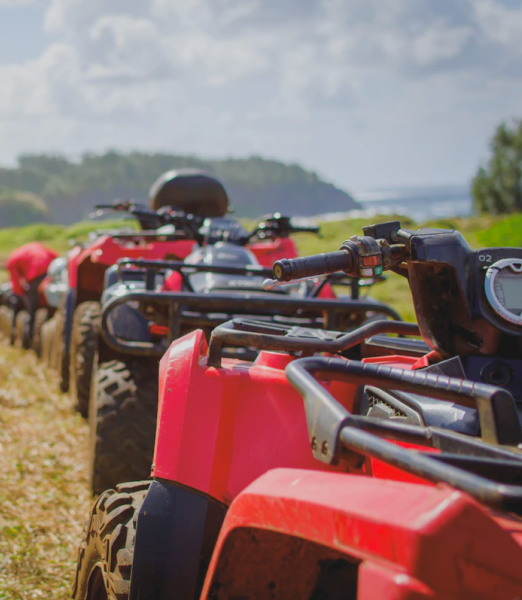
<point>106,250</point>
<point>173,282</point>
<point>410,542</point>
<point>267,252</point>
<point>220,429</point>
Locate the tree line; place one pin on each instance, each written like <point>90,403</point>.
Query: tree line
<point>497,187</point>
<point>54,188</point>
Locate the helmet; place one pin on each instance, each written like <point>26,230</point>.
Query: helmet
<point>190,190</point>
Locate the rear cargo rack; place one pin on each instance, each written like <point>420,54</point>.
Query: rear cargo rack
<point>488,468</point>
<point>296,338</point>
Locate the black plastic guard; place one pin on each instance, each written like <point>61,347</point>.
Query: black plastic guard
<point>70,306</point>
<point>176,533</point>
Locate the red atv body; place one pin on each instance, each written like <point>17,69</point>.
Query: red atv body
<point>87,265</point>
<point>272,480</point>
<point>255,422</point>
<point>233,454</point>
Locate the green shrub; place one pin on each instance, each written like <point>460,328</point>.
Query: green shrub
<point>18,208</point>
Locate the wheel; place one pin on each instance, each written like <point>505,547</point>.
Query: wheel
<point>122,417</point>
<point>5,322</point>
<point>41,316</point>
<point>59,358</point>
<point>47,333</point>
<point>84,343</point>
<point>107,550</point>
<point>22,330</point>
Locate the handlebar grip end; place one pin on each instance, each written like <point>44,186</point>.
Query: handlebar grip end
<point>282,270</point>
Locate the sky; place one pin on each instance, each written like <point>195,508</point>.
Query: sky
<point>368,93</point>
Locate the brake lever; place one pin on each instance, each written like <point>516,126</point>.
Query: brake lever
<point>270,284</point>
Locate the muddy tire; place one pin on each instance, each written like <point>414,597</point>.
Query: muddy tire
<point>47,333</point>
<point>41,316</point>
<point>106,553</point>
<point>55,343</point>
<point>84,343</point>
<point>6,319</point>
<point>59,361</point>
<point>122,417</point>
<point>22,330</point>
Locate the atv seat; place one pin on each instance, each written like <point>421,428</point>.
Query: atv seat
<point>190,190</point>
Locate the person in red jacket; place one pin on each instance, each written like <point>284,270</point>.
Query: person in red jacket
<point>28,266</point>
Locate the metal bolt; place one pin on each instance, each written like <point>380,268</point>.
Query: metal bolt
<point>314,444</point>
<point>324,448</point>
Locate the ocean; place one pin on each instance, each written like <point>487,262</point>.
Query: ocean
<point>418,203</point>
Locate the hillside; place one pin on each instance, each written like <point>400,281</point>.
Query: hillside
<point>256,186</point>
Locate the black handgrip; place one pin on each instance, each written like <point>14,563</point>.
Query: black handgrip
<point>105,206</point>
<point>305,229</point>
<point>288,269</point>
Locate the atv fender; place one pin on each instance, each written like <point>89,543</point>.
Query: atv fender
<point>293,531</point>
<point>70,306</point>
<point>176,534</point>
<point>221,428</point>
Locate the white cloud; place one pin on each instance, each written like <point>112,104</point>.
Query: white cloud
<point>232,76</point>
<point>15,3</point>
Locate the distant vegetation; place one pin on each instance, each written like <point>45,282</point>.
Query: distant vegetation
<point>256,186</point>
<point>19,208</point>
<point>497,188</point>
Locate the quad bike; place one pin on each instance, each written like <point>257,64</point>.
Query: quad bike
<point>149,304</point>
<point>8,304</point>
<point>326,491</point>
<point>15,319</point>
<point>76,323</point>
<point>75,326</point>
<point>179,203</point>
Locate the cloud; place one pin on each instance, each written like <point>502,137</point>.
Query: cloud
<point>15,3</point>
<point>229,76</point>
<point>308,47</point>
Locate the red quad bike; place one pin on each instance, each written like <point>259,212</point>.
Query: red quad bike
<point>73,331</point>
<point>75,327</point>
<point>148,304</point>
<point>394,477</point>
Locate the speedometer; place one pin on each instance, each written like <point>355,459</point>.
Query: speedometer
<point>504,289</point>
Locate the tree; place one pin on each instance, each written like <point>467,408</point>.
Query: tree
<point>19,208</point>
<point>497,188</point>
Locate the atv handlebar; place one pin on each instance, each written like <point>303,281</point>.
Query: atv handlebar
<point>305,229</point>
<point>471,465</point>
<point>358,257</point>
<point>278,225</point>
<point>289,269</point>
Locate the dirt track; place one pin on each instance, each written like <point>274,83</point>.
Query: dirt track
<point>44,498</point>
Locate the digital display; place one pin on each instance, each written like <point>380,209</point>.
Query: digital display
<point>508,290</point>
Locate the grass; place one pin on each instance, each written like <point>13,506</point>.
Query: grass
<point>480,232</point>
<point>44,496</point>
<point>57,237</point>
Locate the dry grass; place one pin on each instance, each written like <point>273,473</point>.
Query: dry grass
<point>44,497</point>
